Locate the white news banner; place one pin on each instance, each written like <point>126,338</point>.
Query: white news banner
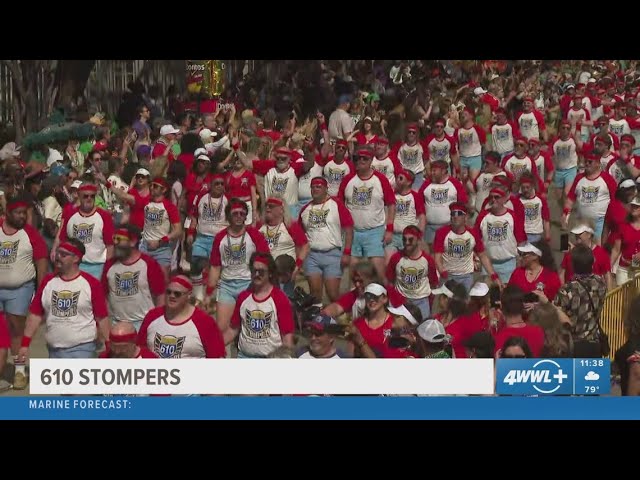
<point>262,376</point>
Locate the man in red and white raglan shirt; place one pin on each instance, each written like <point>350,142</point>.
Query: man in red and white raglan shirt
<point>501,231</point>
<point>438,192</point>
<point>591,193</point>
<point>484,182</point>
<point>470,139</point>
<point>338,167</point>
<point>383,163</point>
<point>413,272</point>
<point>263,317</point>
<point>579,118</point>
<point>122,343</point>
<point>284,238</point>
<point>179,329</point>
<point>454,247</point>
<point>543,163</point>
<point>530,121</point>
<point>565,158</point>
<point>536,211</point>
<point>162,226</point>
<point>633,118</point>
<point>282,180</point>
<point>511,199</point>
<point>369,198</point>
<point>624,165</point>
<point>503,133</point>
<point>133,281</point>
<point>411,154</point>
<point>519,162</point>
<point>409,211</point>
<point>603,132</point>
<point>72,305</point>
<point>324,220</point>
<point>23,266</point>
<point>602,151</point>
<point>618,125</point>
<point>93,227</point>
<point>440,146</point>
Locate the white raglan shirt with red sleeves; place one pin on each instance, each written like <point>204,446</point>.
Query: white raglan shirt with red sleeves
<point>131,287</point>
<point>613,169</point>
<point>366,199</point>
<point>196,337</point>
<point>605,161</point>
<point>482,186</point>
<point>158,218</point>
<point>543,165</point>
<point>500,234</point>
<point>437,198</point>
<point>408,207</point>
<point>263,323</point>
<point>565,153</point>
<point>304,182</point>
<point>283,239</point>
<point>335,173</point>
<point>412,276</point>
<point>95,231</point>
<point>411,157</point>
<point>457,249</point>
<point>619,127</point>
<point>210,214</point>
<point>579,116</point>
<point>70,309</point>
<point>386,168</point>
<point>502,138</point>
<point>18,252</point>
<point>536,210</point>
<point>470,140</point>
<point>282,185</point>
<point>530,124</point>
<point>439,149</point>
<point>324,222</point>
<point>517,166</point>
<point>592,197</point>
<point>232,253</point>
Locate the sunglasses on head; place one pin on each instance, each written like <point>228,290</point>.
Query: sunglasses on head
<point>174,293</point>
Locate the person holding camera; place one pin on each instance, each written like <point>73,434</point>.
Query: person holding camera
<point>376,323</point>
<point>537,271</point>
<point>263,318</point>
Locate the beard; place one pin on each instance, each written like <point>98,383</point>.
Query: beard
<point>122,252</point>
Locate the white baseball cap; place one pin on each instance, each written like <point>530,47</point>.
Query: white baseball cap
<point>628,183</point>
<point>480,289</point>
<point>494,76</point>
<point>143,171</point>
<point>76,184</point>
<point>528,248</point>
<point>206,133</point>
<point>432,331</point>
<point>199,151</point>
<point>54,156</point>
<point>203,157</point>
<point>635,201</point>
<point>375,289</point>
<point>578,229</point>
<point>479,91</point>
<point>168,129</point>
<point>443,290</point>
<point>403,312</point>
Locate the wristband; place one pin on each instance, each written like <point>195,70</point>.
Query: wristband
<point>390,227</point>
<point>26,341</point>
<point>566,211</point>
<point>210,289</point>
<point>444,274</point>
<point>109,184</point>
<point>191,231</point>
<point>494,276</point>
<point>164,239</point>
<point>299,262</point>
<point>347,251</point>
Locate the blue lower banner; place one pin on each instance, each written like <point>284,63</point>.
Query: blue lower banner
<point>319,408</point>
<point>553,376</point>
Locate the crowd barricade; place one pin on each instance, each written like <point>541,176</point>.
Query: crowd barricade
<point>614,311</point>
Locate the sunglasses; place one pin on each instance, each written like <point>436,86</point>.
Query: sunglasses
<point>457,213</point>
<point>495,197</point>
<point>88,196</point>
<point>174,293</point>
<point>140,176</point>
<point>219,182</point>
<point>439,126</point>
<point>282,159</point>
<point>589,162</point>
<point>370,297</point>
<point>408,238</point>
<point>514,356</point>
<point>411,132</point>
<point>260,271</point>
<point>362,157</point>
<point>341,147</point>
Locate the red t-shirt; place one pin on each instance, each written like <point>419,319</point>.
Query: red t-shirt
<point>136,216</point>
<point>187,159</point>
<point>376,339</point>
<point>193,186</point>
<point>460,330</point>
<point>533,334</point>
<point>547,281</point>
<point>601,263</point>
<point>630,238</point>
<point>240,187</point>
<point>616,215</point>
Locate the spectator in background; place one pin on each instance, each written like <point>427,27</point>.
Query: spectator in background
<point>480,345</point>
<point>583,232</point>
<point>627,245</point>
<point>141,127</point>
<point>340,122</point>
<point>515,347</point>
<point>557,335</point>
<point>537,270</point>
<point>433,340</point>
